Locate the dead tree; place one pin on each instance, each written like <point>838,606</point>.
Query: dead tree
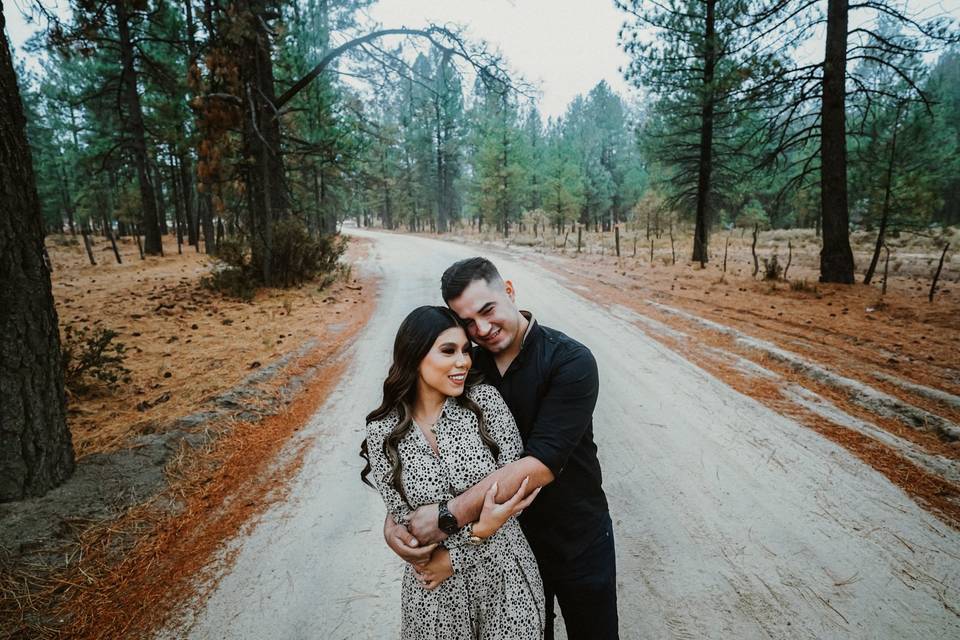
<point>936,276</point>
<point>789,259</point>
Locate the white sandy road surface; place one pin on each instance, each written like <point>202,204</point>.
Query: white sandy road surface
<point>731,521</point>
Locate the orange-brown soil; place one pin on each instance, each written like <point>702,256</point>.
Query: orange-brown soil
<point>124,576</point>
<point>184,343</point>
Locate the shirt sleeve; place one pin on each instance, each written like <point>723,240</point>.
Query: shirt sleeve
<point>380,469</point>
<point>566,410</point>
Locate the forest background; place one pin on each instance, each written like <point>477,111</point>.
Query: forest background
<point>252,130</point>
<point>138,122</point>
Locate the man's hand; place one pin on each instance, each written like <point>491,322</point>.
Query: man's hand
<point>436,571</point>
<point>423,525</point>
<point>405,545</point>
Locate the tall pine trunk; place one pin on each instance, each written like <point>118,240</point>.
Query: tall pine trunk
<point>161,202</point>
<point>192,220</point>
<point>261,135</point>
<point>705,163</point>
<point>136,132</point>
<point>836,257</point>
<point>36,451</point>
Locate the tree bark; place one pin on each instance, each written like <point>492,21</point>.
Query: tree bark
<point>36,451</point>
<point>705,163</point>
<point>261,135</point>
<point>836,257</point>
<point>67,202</point>
<point>192,220</point>
<point>161,202</point>
<point>137,132</point>
<point>178,208</point>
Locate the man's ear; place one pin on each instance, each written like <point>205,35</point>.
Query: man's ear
<point>508,287</point>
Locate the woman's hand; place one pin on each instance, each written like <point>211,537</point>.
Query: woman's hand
<point>436,571</point>
<point>494,515</point>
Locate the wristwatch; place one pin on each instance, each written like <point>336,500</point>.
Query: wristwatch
<point>446,521</point>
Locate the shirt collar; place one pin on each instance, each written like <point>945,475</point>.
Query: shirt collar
<point>530,327</point>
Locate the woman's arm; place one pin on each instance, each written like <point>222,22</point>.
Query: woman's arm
<point>380,470</point>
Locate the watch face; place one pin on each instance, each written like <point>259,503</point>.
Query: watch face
<point>448,523</point>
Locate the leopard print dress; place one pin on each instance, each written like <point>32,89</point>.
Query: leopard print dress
<point>495,592</point>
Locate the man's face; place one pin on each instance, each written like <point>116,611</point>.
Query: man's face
<point>490,314</point>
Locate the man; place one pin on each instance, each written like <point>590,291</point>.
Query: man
<point>549,381</point>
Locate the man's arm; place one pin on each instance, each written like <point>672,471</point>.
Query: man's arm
<point>467,506</point>
<point>422,523</point>
<point>564,416</point>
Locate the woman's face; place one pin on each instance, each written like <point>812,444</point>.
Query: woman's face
<point>445,366</point>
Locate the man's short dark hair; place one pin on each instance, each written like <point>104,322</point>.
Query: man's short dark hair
<point>460,274</point>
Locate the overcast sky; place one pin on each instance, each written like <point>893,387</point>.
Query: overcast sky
<point>565,47</point>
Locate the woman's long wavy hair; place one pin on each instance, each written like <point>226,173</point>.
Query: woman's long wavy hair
<point>417,333</point>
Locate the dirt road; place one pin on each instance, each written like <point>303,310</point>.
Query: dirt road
<point>731,520</point>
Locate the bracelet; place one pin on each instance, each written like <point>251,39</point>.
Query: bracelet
<point>472,539</point>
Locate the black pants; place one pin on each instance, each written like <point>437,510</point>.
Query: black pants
<point>586,588</point>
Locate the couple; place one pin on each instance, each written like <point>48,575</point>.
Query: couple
<point>457,461</point>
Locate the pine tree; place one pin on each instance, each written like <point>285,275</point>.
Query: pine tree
<point>36,451</point>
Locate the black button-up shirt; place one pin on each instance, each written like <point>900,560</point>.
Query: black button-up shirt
<point>551,388</point>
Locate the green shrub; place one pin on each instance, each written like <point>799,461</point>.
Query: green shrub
<point>233,276</point>
<point>231,282</point>
<point>297,256</point>
<point>233,253</point>
<point>92,355</point>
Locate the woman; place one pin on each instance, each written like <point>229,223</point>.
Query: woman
<point>435,435</point>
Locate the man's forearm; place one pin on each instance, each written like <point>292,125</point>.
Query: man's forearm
<point>468,505</point>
